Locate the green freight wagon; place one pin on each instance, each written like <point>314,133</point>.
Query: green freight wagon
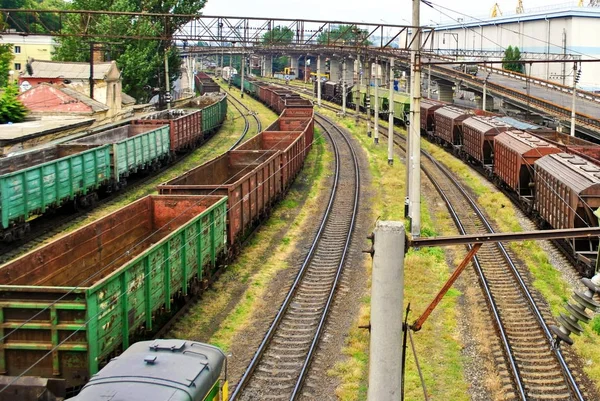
<point>133,147</point>
<point>61,176</point>
<point>251,88</point>
<point>77,301</point>
<point>401,101</point>
<point>236,80</point>
<point>213,116</point>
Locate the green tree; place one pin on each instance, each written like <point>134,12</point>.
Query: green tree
<point>11,109</point>
<point>511,58</point>
<point>280,35</point>
<point>344,34</point>
<point>141,61</point>
<point>6,56</point>
<point>40,22</point>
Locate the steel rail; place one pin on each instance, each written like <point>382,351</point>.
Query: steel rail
<point>566,371</point>
<point>487,291</point>
<point>340,267</point>
<point>287,301</point>
<point>246,122</point>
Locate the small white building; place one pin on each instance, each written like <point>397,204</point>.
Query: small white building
<point>550,31</point>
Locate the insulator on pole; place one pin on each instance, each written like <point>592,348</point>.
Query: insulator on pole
<point>576,311</point>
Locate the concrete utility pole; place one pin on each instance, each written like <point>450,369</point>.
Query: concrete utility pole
<point>573,112</point>
<point>344,87</point>
<point>167,83</point>
<point>484,101</point>
<point>368,99</point>
<point>415,138</point>
<point>358,82</point>
<point>429,80</point>
<point>376,125</point>
<point>387,297</point>
<point>319,80</point>
<point>243,63</point>
<point>391,116</point>
<point>230,67</point>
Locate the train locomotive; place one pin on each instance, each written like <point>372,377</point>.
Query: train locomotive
<point>88,294</point>
<point>174,370</point>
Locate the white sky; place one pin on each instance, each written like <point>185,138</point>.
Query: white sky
<point>375,11</point>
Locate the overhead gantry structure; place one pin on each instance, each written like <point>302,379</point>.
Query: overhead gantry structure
<point>216,30</point>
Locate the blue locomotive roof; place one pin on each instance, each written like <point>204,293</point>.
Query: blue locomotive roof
<point>173,370</point>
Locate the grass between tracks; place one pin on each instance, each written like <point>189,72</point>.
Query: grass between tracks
<point>546,279</point>
<point>218,144</point>
<point>425,272</point>
<point>253,268</point>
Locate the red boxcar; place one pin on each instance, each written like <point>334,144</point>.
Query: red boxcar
<point>515,153</point>
<point>567,194</point>
<point>478,137</point>
<point>428,108</point>
<point>251,180</point>
<point>185,127</point>
<point>448,124</point>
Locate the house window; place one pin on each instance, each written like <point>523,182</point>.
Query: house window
<point>17,49</point>
<point>17,66</point>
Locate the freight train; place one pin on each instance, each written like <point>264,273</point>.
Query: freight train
<point>552,176</point>
<point>161,370</point>
<point>333,92</point>
<point>71,305</point>
<point>37,182</point>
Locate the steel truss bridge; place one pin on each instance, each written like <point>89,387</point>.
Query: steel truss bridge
<point>332,38</point>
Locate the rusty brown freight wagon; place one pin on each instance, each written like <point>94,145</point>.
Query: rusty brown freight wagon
<point>567,194</point>
<point>428,108</point>
<point>448,124</point>
<point>478,137</point>
<point>76,301</point>
<point>515,153</point>
<point>292,146</point>
<point>251,180</point>
<point>185,127</point>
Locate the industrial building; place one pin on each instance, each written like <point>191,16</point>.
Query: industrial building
<point>549,31</point>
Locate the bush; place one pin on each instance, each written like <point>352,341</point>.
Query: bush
<point>11,109</point>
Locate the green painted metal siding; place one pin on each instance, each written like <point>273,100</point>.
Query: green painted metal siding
<point>249,87</point>
<point>140,150</point>
<point>32,190</point>
<point>129,297</point>
<point>213,115</point>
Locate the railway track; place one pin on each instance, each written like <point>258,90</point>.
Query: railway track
<point>241,107</point>
<point>48,226</point>
<point>281,363</point>
<point>530,368</point>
